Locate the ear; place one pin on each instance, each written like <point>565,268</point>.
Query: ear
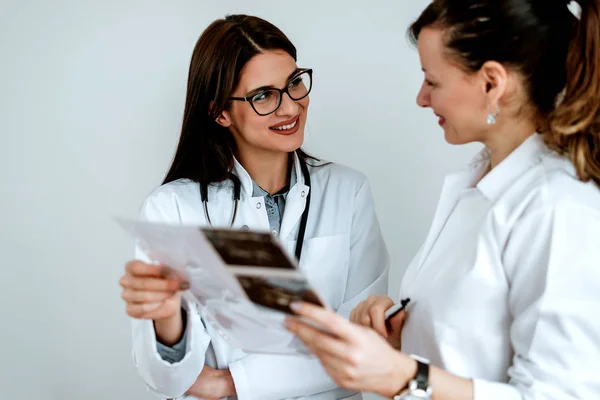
<point>224,119</point>
<point>494,80</point>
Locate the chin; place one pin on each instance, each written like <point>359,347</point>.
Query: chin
<point>452,138</point>
<point>290,143</point>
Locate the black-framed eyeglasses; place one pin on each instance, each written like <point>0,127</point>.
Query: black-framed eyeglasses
<point>267,101</point>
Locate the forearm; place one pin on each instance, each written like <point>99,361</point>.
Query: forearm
<point>169,330</point>
<point>444,385</point>
<point>447,386</point>
<point>213,384</point>
<point>162,376</point>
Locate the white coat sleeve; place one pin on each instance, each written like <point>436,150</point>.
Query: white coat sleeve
<point>552,261</point>
<point>162,377</point>
<point>368,275</point>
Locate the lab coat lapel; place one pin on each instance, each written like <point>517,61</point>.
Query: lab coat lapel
<point>294,207</point>
<point>250,215</point>
<point>294,203</point>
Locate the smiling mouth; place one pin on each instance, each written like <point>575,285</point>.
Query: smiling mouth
<point>441,120</point>
<point>287,125</point>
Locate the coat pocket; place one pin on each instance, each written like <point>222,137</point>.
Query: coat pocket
<point>325,261</point>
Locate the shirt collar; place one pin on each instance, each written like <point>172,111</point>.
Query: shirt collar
<point>523,158</point>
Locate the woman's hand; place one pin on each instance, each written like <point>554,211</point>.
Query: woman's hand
<point>371,314</point>
<point>355,357</point>
<point>152,292</point>
<point>213,384</point>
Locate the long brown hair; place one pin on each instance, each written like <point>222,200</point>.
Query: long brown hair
<point>575,122</point>
<point>205,151</point>
<point>557,54</point>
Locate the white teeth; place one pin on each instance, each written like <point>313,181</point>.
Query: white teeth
<point>286,127</point>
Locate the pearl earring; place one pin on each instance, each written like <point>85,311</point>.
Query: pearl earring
<point>491,117</point>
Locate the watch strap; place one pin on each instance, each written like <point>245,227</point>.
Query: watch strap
<point>418,387</point>
<point>422,376</point>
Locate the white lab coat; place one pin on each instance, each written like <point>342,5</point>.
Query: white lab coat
<point>506,288</point>
<point>343,254</point>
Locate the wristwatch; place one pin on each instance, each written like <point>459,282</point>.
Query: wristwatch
<point>418,387</point>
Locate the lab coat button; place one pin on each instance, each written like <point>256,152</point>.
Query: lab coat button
<point>258,206</point>
<point>303,193</point>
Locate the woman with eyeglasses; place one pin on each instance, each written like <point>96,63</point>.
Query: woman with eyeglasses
<point>505,291</point>
<point>239,163</point>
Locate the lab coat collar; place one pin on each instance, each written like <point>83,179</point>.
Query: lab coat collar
<point>247,182</point>
<point>528,154</point>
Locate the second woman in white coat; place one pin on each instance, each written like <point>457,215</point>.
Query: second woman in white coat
<point>505,290</point>
<point>245,115</point>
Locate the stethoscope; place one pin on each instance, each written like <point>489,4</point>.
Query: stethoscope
<point>237,189</point>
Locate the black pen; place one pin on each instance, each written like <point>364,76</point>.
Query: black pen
<point>396,308</point>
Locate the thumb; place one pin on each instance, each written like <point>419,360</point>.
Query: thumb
<point>397,322</point>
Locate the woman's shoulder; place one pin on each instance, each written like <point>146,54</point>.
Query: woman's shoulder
<point>554,185</point>
<point>561,184</point>
<point>169,197</point>
<point>178,188</point>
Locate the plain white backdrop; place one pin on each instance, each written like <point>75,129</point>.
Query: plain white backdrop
<point>91,101</point>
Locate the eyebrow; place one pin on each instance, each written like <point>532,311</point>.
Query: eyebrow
<point>290,76</point>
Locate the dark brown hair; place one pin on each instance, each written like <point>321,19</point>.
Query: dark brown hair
<point>205,151</point>
<point>557,54</point>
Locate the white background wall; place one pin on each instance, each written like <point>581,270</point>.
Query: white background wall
<point>91,100</point>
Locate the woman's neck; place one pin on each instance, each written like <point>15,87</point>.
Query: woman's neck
<point>507,139</point>
<point>269,170</point>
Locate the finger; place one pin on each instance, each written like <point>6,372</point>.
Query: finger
<point>306,335</point>
<point>329,320</point>
<point>316,340</point>
<point>330,345</point>
<point>140,310</point>
<point>397,321</point>
<point>371,300</point>
<point>142,296</point>
<point>153,284</point>
<point>362,315</point>
<point>365,320</point>
<point>139,268</point>
<point>378,321</point>
<point>364,307</point>
<point>359,311</point>
<point>353,315</point>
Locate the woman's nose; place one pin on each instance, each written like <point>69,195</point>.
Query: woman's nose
<point>423,97</point>
<point>288,106</point>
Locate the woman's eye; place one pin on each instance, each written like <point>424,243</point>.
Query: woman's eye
<point>296,81</point>
<point>262,96</point>
<point>429,83</point>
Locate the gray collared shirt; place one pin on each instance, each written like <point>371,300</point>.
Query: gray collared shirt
<point>274,205</point>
